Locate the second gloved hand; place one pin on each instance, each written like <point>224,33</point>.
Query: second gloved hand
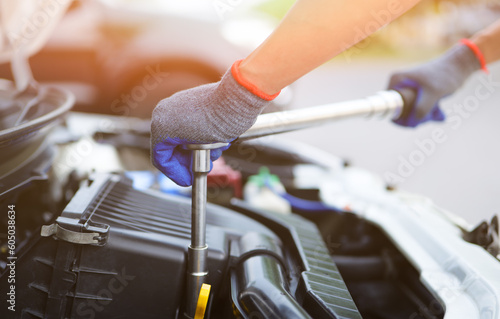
<point>216,112</point>
<point>432,81</point>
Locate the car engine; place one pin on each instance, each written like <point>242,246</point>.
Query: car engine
<point>90,243</point>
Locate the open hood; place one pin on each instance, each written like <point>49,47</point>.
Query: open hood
<point>28,111</point>
<point>25,25</point>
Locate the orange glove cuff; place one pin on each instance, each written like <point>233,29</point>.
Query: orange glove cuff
<point>474,48</point>
<point>235,71</point>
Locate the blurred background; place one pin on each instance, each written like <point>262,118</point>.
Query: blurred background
<point>121,57</point>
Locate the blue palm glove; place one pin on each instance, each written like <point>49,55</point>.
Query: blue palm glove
<point>175,162</point>
<point>211,113</point>
<point>433,81</point>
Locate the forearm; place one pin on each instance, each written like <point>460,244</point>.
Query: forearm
<point>313,32</point>
<point>488,41</point>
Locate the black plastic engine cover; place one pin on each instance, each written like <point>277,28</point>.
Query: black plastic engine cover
<point>116,252</point>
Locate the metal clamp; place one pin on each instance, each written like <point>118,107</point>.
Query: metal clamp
<point>76,233</point>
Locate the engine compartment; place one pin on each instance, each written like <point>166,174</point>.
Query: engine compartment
<point>137,235</point>
<point>130,261</point>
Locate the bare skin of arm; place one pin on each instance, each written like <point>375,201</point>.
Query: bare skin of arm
<point>488,41</point>
<point>313,32</point>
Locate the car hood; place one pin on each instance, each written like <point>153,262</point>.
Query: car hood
<point>29,111</point>
<point>25,25</point>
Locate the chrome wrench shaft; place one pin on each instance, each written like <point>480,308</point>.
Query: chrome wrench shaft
<point>197,270</point>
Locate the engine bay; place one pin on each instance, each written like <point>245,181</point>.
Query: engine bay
<point>94,231</point>
<point>93,244</point>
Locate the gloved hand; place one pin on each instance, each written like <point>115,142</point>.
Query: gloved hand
<point>210,113</point>
<point>432,81</point>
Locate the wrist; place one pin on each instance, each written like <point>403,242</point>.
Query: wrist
<point>458,63</point>
<point>252,81</point>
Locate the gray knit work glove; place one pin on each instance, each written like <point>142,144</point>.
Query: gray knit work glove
<point>210,113</point>
<point>432,81</point>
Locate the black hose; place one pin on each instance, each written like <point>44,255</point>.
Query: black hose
<point>259,289</point>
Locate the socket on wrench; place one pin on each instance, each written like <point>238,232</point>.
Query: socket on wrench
<point>197,270</point>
